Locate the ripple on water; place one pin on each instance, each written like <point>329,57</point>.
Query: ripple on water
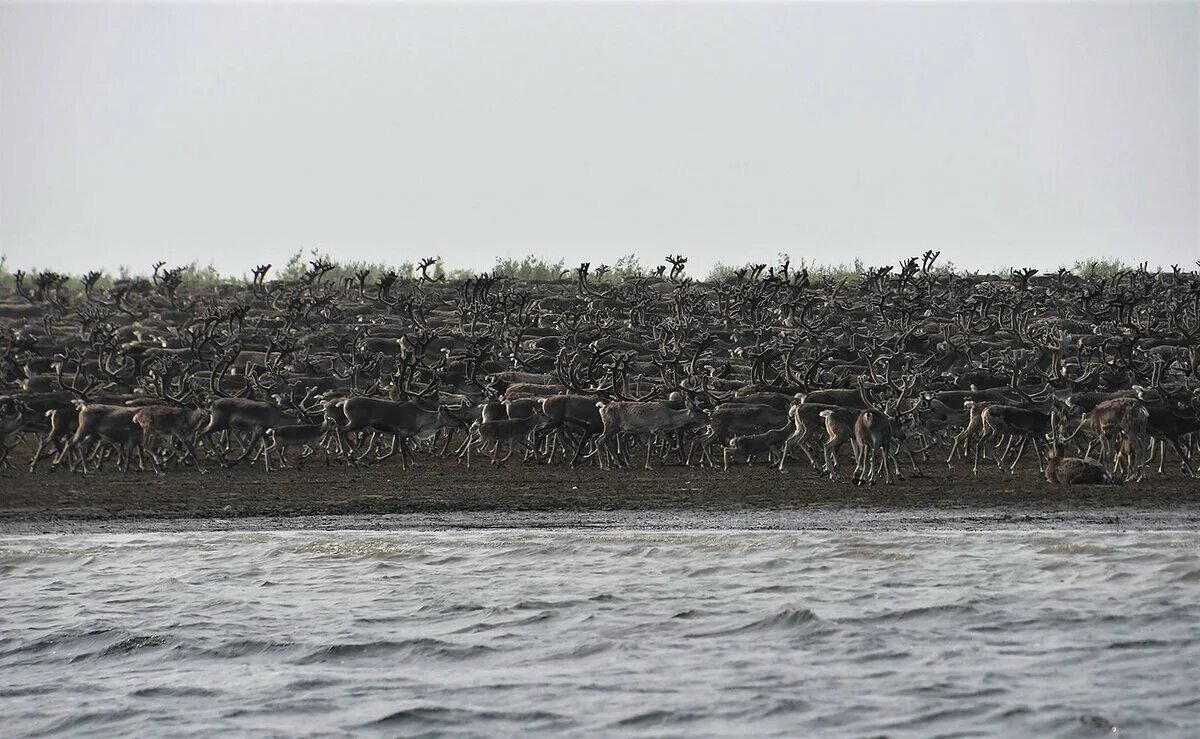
<point>434,717</point>
<point>787,619</point>
<point>581,632</point>
<point>426,648</point>
<point>951,611</point>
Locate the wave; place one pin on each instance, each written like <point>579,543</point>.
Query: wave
<point>134,643</point>
<point>56,640</point>
<point>421,647</point>
<point>580,651</point>
<point>76,646</point>
<point>77,722</point>
<point>431,717</point>
<point>536,618</point>
<point>245,647</point>
<point>655,717</point>
<point>579,642</point>
<point>1140,644</point>
<point>921,612</point>
<point>784,620</point>
<point>163,691</point>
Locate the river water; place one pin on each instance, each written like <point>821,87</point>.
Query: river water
<point>602,632</point>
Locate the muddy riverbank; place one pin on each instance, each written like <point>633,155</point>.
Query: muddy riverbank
<point>442,491</point>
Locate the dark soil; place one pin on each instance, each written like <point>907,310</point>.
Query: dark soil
<point>441,486</point>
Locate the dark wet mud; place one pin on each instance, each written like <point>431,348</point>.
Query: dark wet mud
<point>441,493</point>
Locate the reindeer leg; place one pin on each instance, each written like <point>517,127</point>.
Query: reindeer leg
<point>959,438</point>
<point>152,449</point>
<point>89,447</point>
<point>43,440</point>
<point>831,465</point>
<point>1184,458</point>
<point>305,454</point>
<point>406,454</point>
<point>190,450</point>
<point>1020,450</point>
<point>1141,468</point>
<point>1004,455</point>
<point>251,446</point>
<point>402,445</point>
<point>583,438</point>
<point>983,436</point>
<point>912,460</point>
<point>1037,448</point>
<point>787,445</point>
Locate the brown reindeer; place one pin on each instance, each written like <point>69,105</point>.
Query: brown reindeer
<point>172,425</point>
<point>808,429</point>
<point>873,440</point>
<point>651,418</point>
<point>1012,422</point>
<point>752,445</point>
<point>1064,470</point>
<point>1111,419</point>
<point>839,429</point>
<point>101,424</point>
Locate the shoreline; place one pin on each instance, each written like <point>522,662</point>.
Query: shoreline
<point>814,520</point>
<point>440,494</point>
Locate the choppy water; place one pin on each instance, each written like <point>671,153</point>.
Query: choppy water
<point>653,633</point>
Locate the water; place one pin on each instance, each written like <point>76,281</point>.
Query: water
<point>586,632</point>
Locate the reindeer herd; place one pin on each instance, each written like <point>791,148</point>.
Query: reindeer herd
<point>1097,377</point>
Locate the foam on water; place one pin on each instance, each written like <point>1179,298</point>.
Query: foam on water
<point>1049,633</point>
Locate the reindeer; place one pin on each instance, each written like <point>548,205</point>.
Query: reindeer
<point>1013,422</point>
<point>1123,461</point>
<point>99,424</point>
<point>872,432</point>
<point>808,429</point>
<point>737,419</point>
<point>280,438</point>
<point>873,439</point>
<point>752,445</point>
<point>973,428</point>
<point>515,429</point>
<point>404,420</point>
<point>175,426</point>
<point>1063,470</point>
<point>567,416</point>
<point>9,424</point>
<point>652,418</point>
<point>242,414</point>
<point>1126,417</point>
<point>60,427</point>
<point>1171,425</point>
<point>839,428</point>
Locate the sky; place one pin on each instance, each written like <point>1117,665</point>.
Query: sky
<point>1001,134</point>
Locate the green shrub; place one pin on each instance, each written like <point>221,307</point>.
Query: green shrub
<point>530,268</point>
<point>1099,267</point>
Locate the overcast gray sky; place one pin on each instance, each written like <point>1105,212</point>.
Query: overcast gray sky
<point>1001,134</point>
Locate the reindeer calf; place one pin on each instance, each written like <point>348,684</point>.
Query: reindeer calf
<point>280,438</point>
<point>752,445</point>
